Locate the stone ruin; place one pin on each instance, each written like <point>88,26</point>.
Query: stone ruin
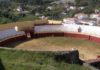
<point>71,57</point>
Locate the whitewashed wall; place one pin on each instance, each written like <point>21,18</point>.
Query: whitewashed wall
<point>48,28</point>
<point>73,28</point>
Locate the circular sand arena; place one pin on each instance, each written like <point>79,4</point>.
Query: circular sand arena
<point>87,49</point>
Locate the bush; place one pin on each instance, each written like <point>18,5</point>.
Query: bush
<point>4,20</point>
<point>14,17</point>
<point>88,10</point>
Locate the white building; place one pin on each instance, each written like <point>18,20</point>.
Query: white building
<point>79,22</point>
<point>87,22</point>
<point>69,20</point>
<point>81,7</point>
<point>96,17</point>
<point>19,9</point>
<point>81,16</point>
<point>65,1</point>
<point>72,8</point>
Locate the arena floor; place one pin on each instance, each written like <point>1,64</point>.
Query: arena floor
<point>88,50</point>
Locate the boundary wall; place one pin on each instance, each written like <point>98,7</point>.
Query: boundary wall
<point>12,39</point>
<point>10,35</point>
<point>91,33</point>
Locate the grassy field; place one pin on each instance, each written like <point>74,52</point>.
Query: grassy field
<point>24,60</point>
<point>29,18</point>
<point>23,24</point>
<point>87,49</point>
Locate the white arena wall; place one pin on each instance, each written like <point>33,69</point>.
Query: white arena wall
<point>69,28</point>
<point>10,35</point>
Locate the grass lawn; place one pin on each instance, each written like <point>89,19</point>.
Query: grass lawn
<point>87,49</point>
<point>23,24</point>
<point>24,60</point>
<point>29,18</point>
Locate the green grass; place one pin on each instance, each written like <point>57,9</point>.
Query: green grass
<point>28,18</point>
<point>23,24</point>
<point>24,60</point>
<point>62,41</point>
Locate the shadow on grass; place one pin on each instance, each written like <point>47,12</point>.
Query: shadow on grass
<point>1,65</point>
<point>14,44</point>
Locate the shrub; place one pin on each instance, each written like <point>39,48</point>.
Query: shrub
<point>4,20</point>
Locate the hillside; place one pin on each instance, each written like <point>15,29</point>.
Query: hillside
<point>24,60</point>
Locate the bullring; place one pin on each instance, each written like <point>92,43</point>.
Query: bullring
<point>42,28</point>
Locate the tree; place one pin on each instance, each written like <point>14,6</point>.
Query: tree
<point>78,2</point>
<point>82,2</point>
<point>89,9</point>
<point>5,4</point>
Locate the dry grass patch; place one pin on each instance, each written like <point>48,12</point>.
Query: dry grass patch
<point>87,49</point>
<point>23,24</point>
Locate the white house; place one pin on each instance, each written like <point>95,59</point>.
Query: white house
<point>69,20</point>
<point>97,17</point>
<point>72,8</point>
<point>81,16</point>
<point>81,7</point>
<point>97,11</point>
<point>19,9</point>
<point>65,1</point>
<point>87,22</point>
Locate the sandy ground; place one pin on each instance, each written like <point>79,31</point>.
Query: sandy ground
<point>86,53</point>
